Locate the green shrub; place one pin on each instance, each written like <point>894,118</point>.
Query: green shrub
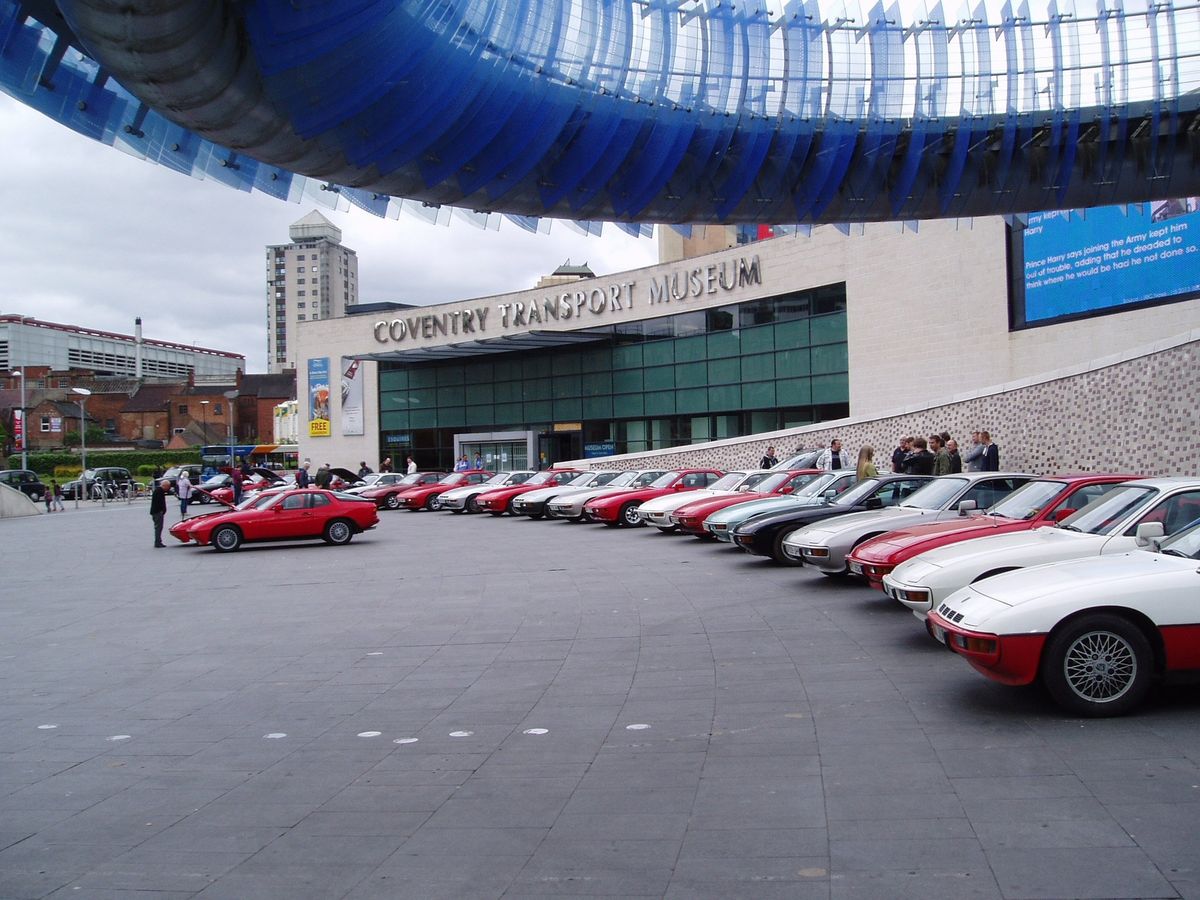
<point>133,460</point>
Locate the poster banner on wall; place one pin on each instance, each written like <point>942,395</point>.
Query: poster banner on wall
<point>18,430</point>
<point>352,396</point>
<point>318,397</point>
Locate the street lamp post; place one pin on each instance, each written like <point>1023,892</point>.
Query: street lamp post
<point>24,420</point>
<point>83,393</point>
<point>204,420</point>
<point>231,396</point>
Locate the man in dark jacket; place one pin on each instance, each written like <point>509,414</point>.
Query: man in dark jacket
<point>991,453</point>
<point>920,461</point>
<point>302,479</point>
<point>324,477</point>
<point>158,509</point>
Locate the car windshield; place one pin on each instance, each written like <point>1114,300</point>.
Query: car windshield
<point>606,478</point>
<point>518,477</point>
<point>414,478</point>
<point>772,482</point>
<point>728,481</point>
<point>802,460</point>
<point>499,478</point>
<point>584,480</point>
<point>369,480</point>
<point>818,484</point>
<point>1028,500</point>
<point>937,494</point>
<point>647,478</point>
<point>541,478</point>
<point>1104,516</point>
<point>453,478</point>
<point>665,480</point>
<point>262,501</point>
<point>860,492</point>
<point>215,482</point>
<point>1185,543</point>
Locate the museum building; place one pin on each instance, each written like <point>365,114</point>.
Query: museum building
<point>802,329</point>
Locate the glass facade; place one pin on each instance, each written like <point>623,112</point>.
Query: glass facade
<point>695,376</point>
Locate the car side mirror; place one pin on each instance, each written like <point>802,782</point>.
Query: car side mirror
<point>967,506</point>
<point>1064,514</point>
<point>830,495</point>
<point>1149,534</point>
<point>874,503</point>
<point>787,490</point>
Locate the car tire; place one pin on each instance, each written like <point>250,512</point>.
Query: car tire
<point>226,539</point>
<point>338,532</point>
<point>1098,665</point>
<point>203,497</point>
<point>473,503</point>
<point>392,501</point>
<point>36,496</point>
<point>434,503</point>
<point>627,518</point>
<point>777,553</point>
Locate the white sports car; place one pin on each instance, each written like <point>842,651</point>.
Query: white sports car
<point>465,499</point>
<point>1103,527</point>
<point>1096,633</point>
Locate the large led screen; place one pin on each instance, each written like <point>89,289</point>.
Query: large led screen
<point>1075,263</point>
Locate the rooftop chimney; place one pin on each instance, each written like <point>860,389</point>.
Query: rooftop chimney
<point>137,342</point>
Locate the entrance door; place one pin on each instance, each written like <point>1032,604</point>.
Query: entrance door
<point>500,453</point>
<point>559,446</point>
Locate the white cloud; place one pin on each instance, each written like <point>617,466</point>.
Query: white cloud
<point>94,237</point>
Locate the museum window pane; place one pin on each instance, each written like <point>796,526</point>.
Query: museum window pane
<point>724,344</point>
<point>393,379</point>
<point>758,395</point>
<point>481,392</point>
<point>763,420</point>
<point>691,375</point>
<point>691,349</point>
<point>660,378</point>
<point>598,407</point>
<point>455,395</point>
<point>724,371</point>
<point>566,364</point>
<point>627,357</point>
<point>596,383</point>
<point>450,374</point>
<point>830,389</point>
<point>829,358</point>
<point>791,334</point>
<point>691,400</point>
<point>536,389</point>
<point>729,397</point>
<point>660,403</point>
<point>451,417</point>
<point>627,405</point>
<point>720,318</point>
<point>424,418</point>
<point>726,426</point>
<point>758,368</point>
<point>758,340</point>
<point>689,323</point>
<point>422,377</point>
<point>540,411</point>
<point>569,410</point>
<point>508,413</point>
<point>701,428</point>
<point>793,391</point>
<point>657,353</point>
<point>625,380</point>
<point>393,421</point>
<point>480,415</point>
<point>829,329</point>
<point>793,362</point>
<point>535,365</point>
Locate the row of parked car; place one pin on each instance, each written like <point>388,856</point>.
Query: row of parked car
<point>1086,584</point>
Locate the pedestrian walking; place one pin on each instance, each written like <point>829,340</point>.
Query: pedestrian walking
<point>158,509</point>
<point>48,497</point>
<point>56,490</point>
<point>237,478</point>
<point>183,490</point>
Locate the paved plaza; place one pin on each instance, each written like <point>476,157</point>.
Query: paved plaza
<point>455,706</point>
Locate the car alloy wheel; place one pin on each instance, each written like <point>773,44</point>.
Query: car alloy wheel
<point>392,501</point>
<point>1099,665</point>
<point>629,517</point>
<point>473,503</point>
<point>338,531</point>
<point>227,538</point>
<point>434,503</point>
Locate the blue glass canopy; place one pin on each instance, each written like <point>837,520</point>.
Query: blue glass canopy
<point>635,111</point>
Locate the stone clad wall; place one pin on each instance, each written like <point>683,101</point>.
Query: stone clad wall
<point>1138,415</point>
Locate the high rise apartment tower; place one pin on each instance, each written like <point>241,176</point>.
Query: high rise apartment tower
<point>313,277</point>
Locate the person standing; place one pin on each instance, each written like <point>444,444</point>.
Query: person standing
<point>49,498</point>
<point>324,477</point>
<point>769,459</point>
<point>973,458</point>
<point>183,490</point>
<point>478,462</point>
<point>236,477</point>
<point>941,456</point>
<point>462,465</point>
<point>412,466</point>
<point>900,454</point>
<point>955,460</point>
<point>832,459</point>
<point>920,461</point>
<point>386,465</point>
<point>991,453</point>
<point>56,490</point>
<point>363,469</point>
<point>302,479</point>
<point>158,509</point>
<point>866,463</point>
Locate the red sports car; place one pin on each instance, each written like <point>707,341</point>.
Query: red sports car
<point>391,495</point>
<point>690,517</point>
<point>290,515</point>
<point>618,509</point>
<point>1043,501</point>
<point>498,501</point>
<point>425,496</point>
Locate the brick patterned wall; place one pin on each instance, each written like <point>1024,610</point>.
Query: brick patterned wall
<point>1141,415</point>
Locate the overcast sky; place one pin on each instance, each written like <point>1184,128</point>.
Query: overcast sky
<point>93,237</point>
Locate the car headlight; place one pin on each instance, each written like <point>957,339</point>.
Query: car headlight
<point>912,595</point>
<point>818,552</point>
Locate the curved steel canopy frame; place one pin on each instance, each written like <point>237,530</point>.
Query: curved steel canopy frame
<point>635,111</point>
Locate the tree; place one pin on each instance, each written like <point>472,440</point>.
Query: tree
<point>95,437</point>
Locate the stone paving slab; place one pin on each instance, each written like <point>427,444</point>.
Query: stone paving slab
<point>464,707</point>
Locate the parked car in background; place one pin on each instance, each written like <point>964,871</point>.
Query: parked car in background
<point>26,481</point>
<point>1097,633</point>
<point>821,489</point>
<point>824,545</point>
<point>390,494</point>
<point>1043,501</point>
<point>429,496</point>
<point>220,487</point>
<point>172,475</point>
<point>284,515</point>
<point>621,509</point>
<point>464,499</point>
<point>111,480</point>
<point>376,480</point>
<point>689,517</point>
<point>1103,527</point>
<point>570,507</point>
<point>764,534</point>
<point>499,501</point>
<point>533,503</point>
<point>657,511</point>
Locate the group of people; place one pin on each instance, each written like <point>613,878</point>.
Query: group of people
<point>939,455</point>
<point>53,497</point>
